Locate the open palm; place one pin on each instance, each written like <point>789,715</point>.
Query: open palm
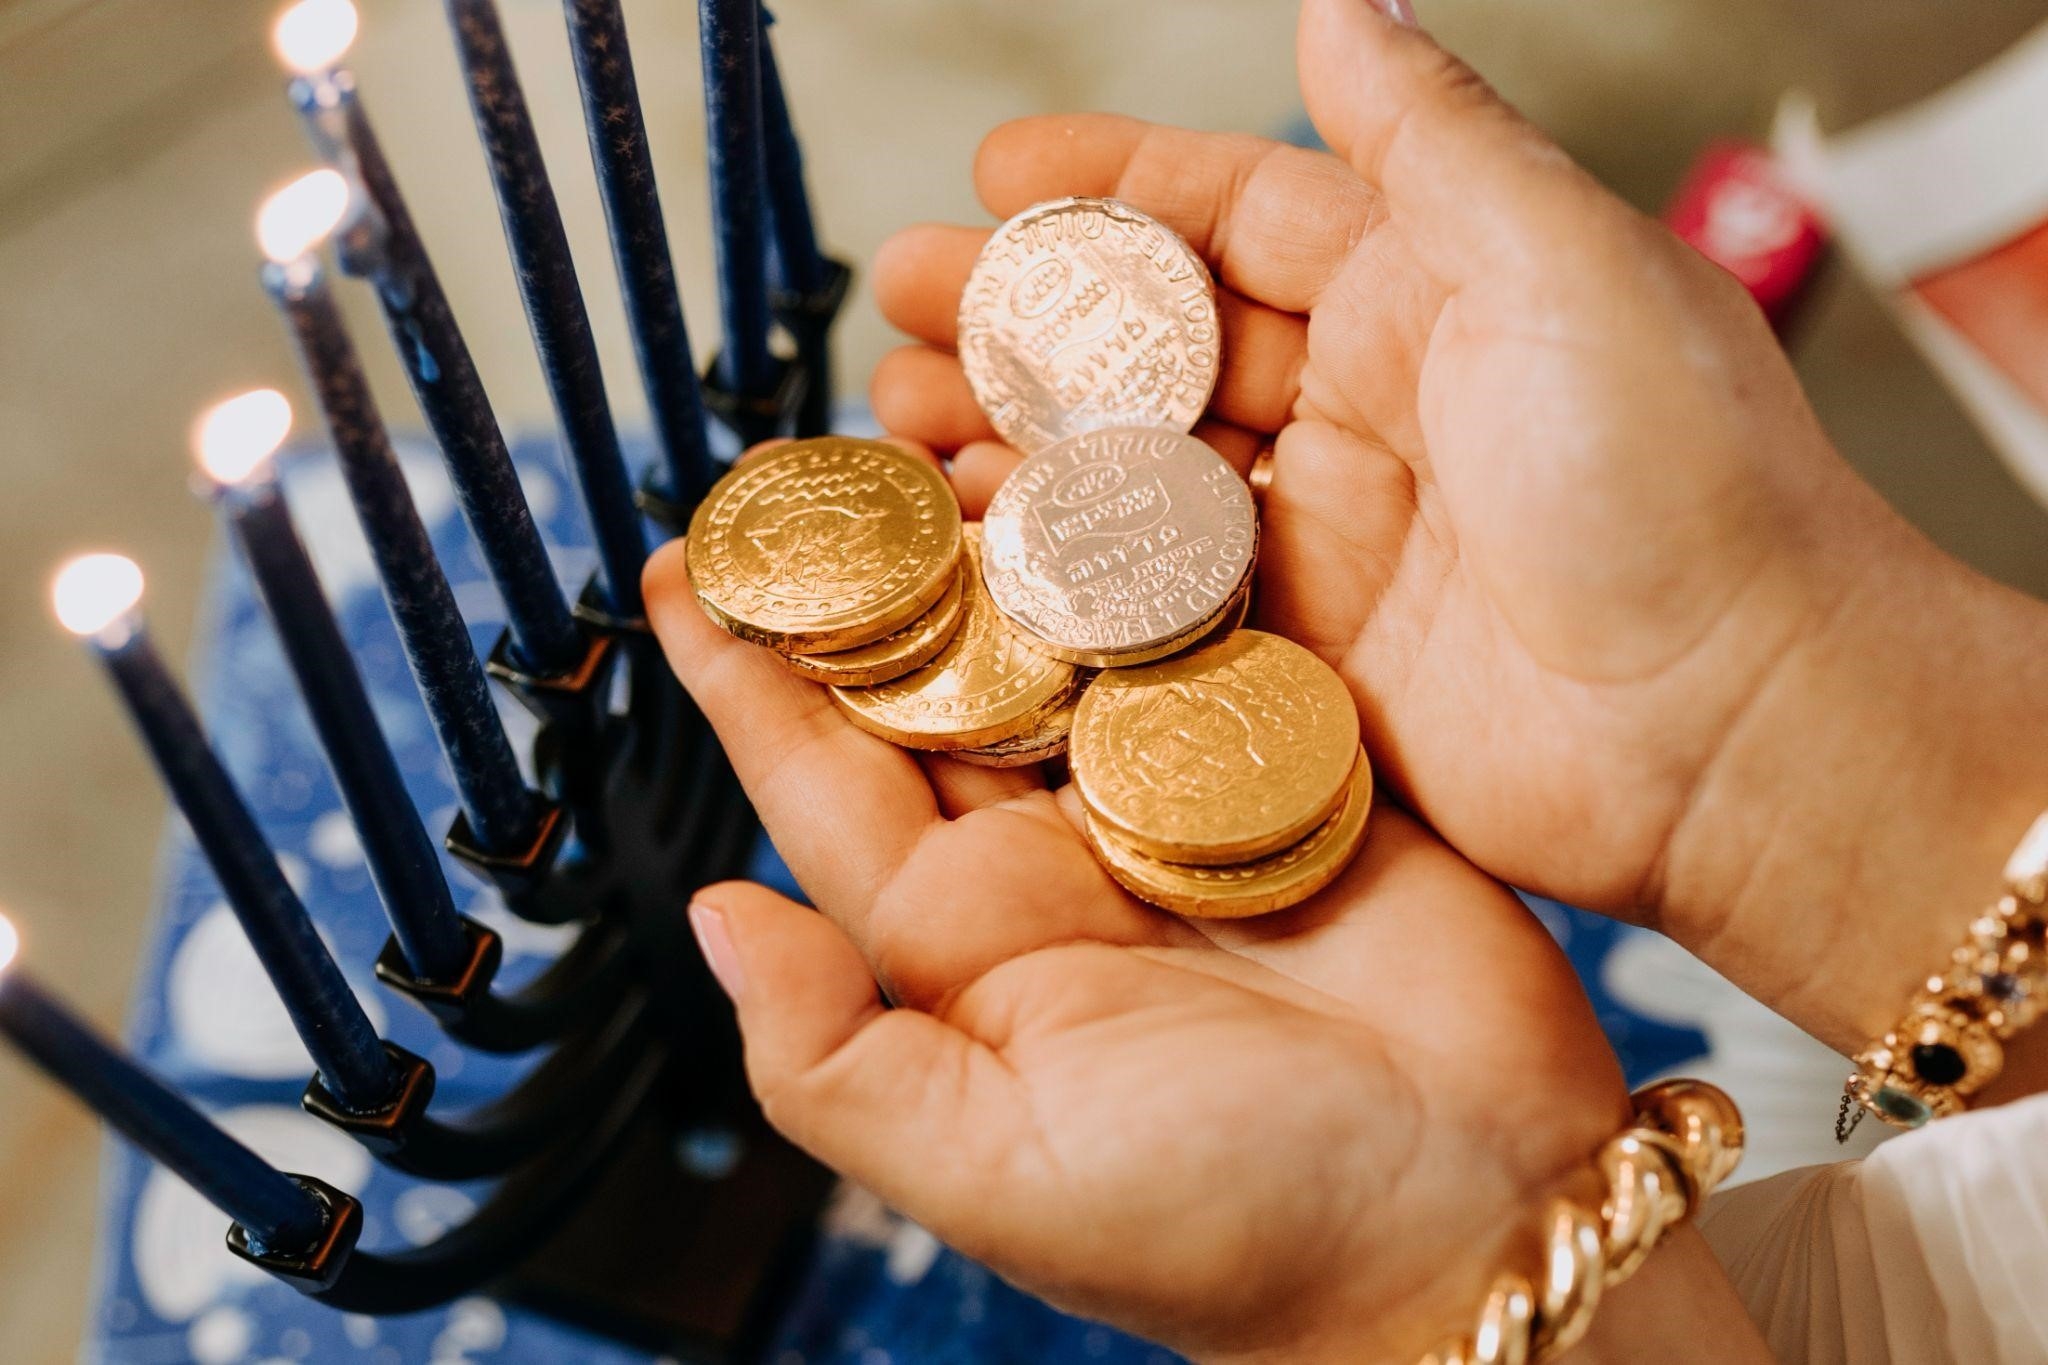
<point>1306,1134</point>
<point>1545,490</point>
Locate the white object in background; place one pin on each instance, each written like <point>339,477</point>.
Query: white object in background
<point>1932,1249</point>
<point>1943,205</point>
<point>224,1012</point>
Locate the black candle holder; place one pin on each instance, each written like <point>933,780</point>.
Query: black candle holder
<point>642,1050</point>
<point>596,1216</point>
<point>808,318</point>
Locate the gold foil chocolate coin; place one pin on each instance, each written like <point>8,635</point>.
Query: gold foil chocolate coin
<point>892,656</point>
<point>826,544</point>
<point>984,687</point>
<point>1086,313</point>
<point>1227,753</point>
<point>1258,887</point>
<point>1119,546</point>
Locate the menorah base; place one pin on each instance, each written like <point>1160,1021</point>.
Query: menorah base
<point>689,1246</point>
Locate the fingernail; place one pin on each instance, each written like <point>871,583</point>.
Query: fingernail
<point>1400,11</point>
<point>714,940</point>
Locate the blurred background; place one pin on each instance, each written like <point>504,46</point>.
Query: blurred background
<point>136,137</point>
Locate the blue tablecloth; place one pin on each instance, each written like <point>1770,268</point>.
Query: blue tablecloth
<point>878,1290</point>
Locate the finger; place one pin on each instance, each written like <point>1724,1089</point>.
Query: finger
<point>1336,502</point>
<point>923,393</point>
<point>978,471</point>
<point>910,1107</point>
<point>844,808</point>
<point>920,273</point>
<point>910,445</point>
<point>1468,182</point>
<point>1264,352</point>
<point>963,788</point>
<point>1235,444</point>
<point>1275,221</point>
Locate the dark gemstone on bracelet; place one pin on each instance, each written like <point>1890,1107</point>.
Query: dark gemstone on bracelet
<point>2004,987</point>
<point>1938,1064</point>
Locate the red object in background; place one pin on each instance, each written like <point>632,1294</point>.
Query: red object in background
<point>1999,301</point>
<point>1739,212</point>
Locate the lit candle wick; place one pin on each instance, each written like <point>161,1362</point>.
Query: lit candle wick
<point>295,220</point>
<point>96,596</point>
<point>314,35</point>
<point>235,438</point>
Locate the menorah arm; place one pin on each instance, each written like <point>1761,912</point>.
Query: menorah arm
<point>592,971</point>
<point>553,1108</point>
<point>522,1212</point>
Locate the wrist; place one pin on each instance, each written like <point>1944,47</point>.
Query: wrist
<point>1583,1272</point>
<point>1679,1308</point>
<point>1860,810</point>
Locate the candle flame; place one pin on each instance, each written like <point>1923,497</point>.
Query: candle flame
<point>314,35</point>
<point>235,437</point>
<point>10,943</point>
<point>296,219</point>
<point>92,592</point>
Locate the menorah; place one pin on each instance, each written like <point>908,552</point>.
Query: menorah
<point>631,804</point>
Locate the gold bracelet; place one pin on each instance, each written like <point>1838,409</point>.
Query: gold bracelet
<point>1686,1138</point>
<point>1951,1041</point>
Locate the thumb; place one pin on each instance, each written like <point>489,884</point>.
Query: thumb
<point>1473,183</point>
<point>899,1101</point>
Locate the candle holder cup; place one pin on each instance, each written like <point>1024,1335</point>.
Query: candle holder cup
<point>762,415</point>
<point>310,1269</point>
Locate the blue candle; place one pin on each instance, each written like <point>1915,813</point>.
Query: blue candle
<point>554,300</point>
<point>96,599</point>
<point>236,441</point>
<point>805,278</point>
<point>800,267</point>
<point>731,35</point>
<point>277,1212</point>
<point>440,370</point>
<point>640,252</point>
<point>503,815</point>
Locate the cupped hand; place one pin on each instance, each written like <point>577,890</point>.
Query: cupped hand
<point>1621,624</point>
<point>1301,1137</point>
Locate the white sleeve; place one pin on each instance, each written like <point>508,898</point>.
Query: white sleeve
<point>1933,1248</point>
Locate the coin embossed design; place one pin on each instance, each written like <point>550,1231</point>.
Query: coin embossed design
<point>984,687</point>
<point>1086,313</point>
<point>1227,753</point>
<point>1259,887</point>
<point>914,646</point>
<point>1119,546</point>
<point>825,544</point>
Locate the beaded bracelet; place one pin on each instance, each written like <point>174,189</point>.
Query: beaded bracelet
<point>1686,1138</point>
<point>1951,1041</point>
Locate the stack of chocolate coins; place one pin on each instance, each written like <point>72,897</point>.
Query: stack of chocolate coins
<point>1095,613</point>
<point>1224,782</point>
<point>843,556</point>
<point>988,697</point>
